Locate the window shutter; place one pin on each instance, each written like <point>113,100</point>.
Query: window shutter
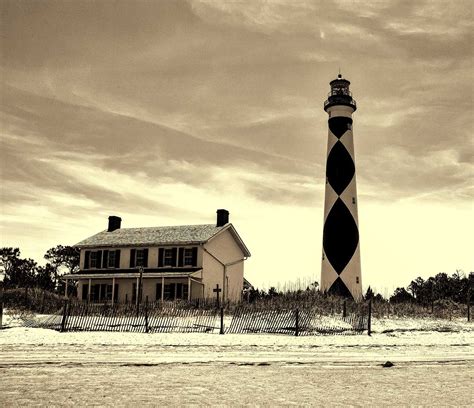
<point>161,257</point>
<point>116,289</point>
<point>105,259</point>
<point>145,257</point>
<point>87,256</point>
<point>117,258</point>
<point>175,253</point>
<point>85,291</point>
<point>181,257</point>
<point>132,258</point>
<point>195,256</point>
<point>99,259</point>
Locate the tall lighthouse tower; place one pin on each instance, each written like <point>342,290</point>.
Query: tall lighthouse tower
<point>340,271</point>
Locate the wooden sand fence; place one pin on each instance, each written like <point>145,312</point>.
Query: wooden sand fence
<point>157,317</point>
<point>295,322</point>
<point>143,318</point>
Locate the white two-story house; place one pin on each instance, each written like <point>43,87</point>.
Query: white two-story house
<point>162,263</point>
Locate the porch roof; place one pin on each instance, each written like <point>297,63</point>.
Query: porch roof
<point>133,274</point>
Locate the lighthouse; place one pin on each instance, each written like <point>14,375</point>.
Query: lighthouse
<point>340,270</point>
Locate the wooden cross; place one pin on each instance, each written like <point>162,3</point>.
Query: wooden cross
<point>217,290</point>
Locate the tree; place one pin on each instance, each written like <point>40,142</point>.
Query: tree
<point>369,294</point>
<point>45,277</point>
<point>63,257</point>
<point>415,287</point>
<point>272,292</point>
<point>23,273</point>
<point>8,259</point>
<point>401,295</point>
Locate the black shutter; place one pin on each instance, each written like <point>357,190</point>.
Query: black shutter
<point>161,257</point>
<point>116,293</point>
<point>145,257</point>
<point>85,291</point>
<point>173,259</point>
<point>117,258</point>
<point>158,291</point>
<point>195,256</point>
<point>132,258</point>
<point>86,259</point>
<point>181,257</point>
<point>105,259</point>
<point>99,259</point>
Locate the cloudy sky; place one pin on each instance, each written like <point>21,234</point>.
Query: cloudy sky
<point>163,111</point>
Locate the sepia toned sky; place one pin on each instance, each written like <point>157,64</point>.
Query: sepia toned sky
<point>163,111</point>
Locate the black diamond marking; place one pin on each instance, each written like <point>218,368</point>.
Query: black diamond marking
<point>340,236</point>
<point>339,124</point>
<point>339,288</point>
<point>339,168</point>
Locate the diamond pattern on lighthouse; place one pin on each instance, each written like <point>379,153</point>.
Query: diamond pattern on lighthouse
<point>339,168</point>
<point>340,236</point>
<point>339,125</point>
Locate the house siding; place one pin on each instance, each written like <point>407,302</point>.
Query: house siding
<point>226,250</point>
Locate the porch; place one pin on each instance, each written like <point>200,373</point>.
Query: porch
<point>135,287</point>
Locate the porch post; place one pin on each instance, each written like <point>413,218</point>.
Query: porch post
<point>65,289</point>
<point>162,288</point>
<point>89,291</point>
<point>189,288</point>
<point>113,289</point>
<point>137,290</point>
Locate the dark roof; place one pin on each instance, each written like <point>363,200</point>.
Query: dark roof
<point>183,234</point>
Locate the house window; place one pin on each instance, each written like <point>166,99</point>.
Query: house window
<point>188,256</point>
<point>140,261</point>
<point>169,257</point>
<point>181,291</point>
<point>111,260</point>
<point>169,292</point>
<point>103,292</point>
<point>172,291</point>
<point>93,260</point>
<point>139,257</point>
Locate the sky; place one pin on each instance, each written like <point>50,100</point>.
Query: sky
<point>161,112</point>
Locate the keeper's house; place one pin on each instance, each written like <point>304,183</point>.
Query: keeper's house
<point>161,263</point>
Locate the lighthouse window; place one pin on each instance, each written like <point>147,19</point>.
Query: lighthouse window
<point>357,279</point>
<point>353,200</point>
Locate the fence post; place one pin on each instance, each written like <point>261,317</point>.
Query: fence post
<point>65,311</point>
<point>369,321</point>
<point>146,314</point>
<point>344,309</point>
<point>42,302</point>
<point>468,305</point>
<point>297,322</point>
<point>1,303</point>
<point>221,331</point>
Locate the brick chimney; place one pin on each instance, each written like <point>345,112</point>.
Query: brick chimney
<point>222,217</point>
<point>114,223</point>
